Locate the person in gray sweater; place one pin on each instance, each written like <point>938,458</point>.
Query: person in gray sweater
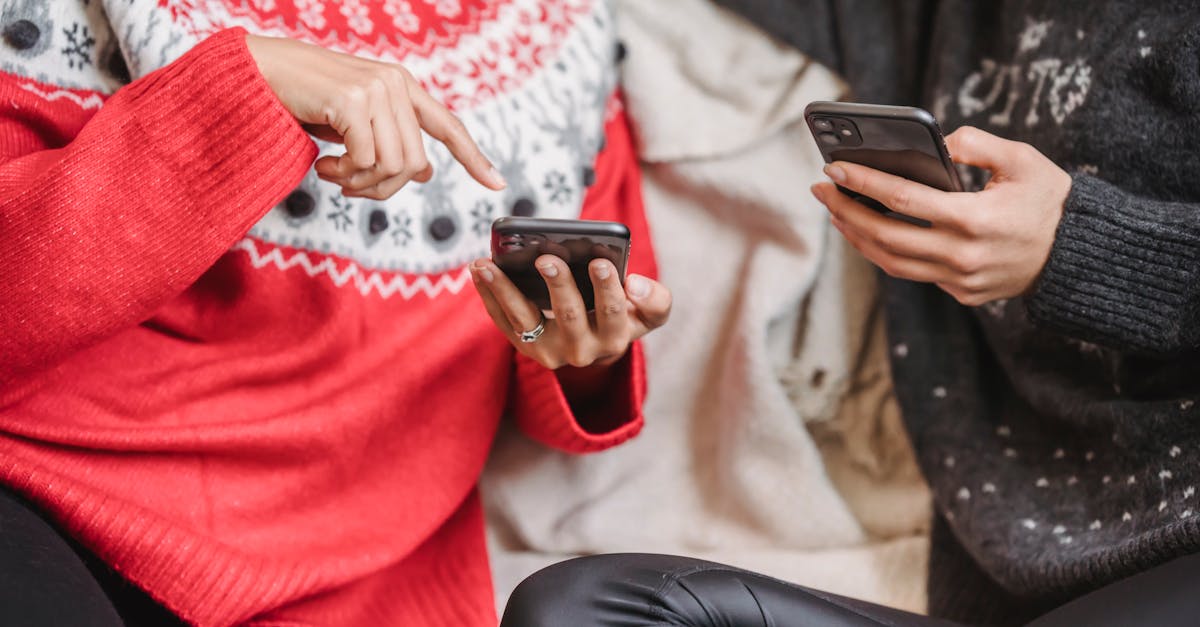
<point>1045,330</point>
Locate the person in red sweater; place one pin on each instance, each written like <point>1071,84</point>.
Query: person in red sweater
<point>243,379</point>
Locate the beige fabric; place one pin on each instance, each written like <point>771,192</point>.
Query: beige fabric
<point>772,439</point>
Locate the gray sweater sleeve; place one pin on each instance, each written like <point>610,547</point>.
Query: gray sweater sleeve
<point>1124,271</point>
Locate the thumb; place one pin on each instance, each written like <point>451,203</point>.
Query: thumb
<point>981,149</point>
<point>652,299</point>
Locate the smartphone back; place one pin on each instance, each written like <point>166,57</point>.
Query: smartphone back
<point>904,141</point>
<point>517,242</point>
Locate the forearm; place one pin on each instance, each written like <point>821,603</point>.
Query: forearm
<point>152,190</point>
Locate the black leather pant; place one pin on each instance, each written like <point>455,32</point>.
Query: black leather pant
<point>47,579</point>
<point>642,590</point>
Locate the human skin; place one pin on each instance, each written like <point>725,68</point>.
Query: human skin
<point>981,246</point>
<point>379,111</point>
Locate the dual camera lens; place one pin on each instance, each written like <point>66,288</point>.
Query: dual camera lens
<point>836,131</point>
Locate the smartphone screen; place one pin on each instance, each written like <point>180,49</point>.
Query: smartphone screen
<point>518,242</point>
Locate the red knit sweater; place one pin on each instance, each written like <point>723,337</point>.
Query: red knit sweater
<point>268,428</point>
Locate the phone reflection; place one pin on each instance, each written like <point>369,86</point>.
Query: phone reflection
<point>517,252</point>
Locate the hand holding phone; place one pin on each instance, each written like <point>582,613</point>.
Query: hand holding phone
<point>904,141</point>
<point>558,290</point>
<point>977,246</point>
<point>518,242</point>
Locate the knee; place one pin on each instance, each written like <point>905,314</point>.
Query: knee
<point>586,591</point>
<point>553,596</point>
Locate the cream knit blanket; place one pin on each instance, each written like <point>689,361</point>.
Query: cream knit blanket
<point>772,440</point>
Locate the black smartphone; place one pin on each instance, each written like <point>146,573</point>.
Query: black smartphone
<point>904,141</point>
<point>518,242</point>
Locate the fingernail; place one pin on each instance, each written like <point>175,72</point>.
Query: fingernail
<point>639,287</point>
<point>485,273</point>
<point>493,175</point>
<point>817,193</point>
<point>837,174</point>
<point>602,271</point>
<point>549,270</point>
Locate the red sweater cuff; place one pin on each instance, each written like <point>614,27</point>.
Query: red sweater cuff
<point>154,188</point>
<point>212,115</point>
<point>545,414</point>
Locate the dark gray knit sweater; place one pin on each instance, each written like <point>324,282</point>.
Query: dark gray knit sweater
<point>1060,431</point>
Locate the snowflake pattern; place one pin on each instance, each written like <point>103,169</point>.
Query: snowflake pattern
<point>526,57</point>
<point>358,16</point>
<point>555,13</point>
<point>556,184</point>
<point>487,71</point>
<point>403,16</point>
<point>402,231</point>
<point>1033,34</point>
<point>340,216</point>
<point>482,213</point>
<point>311,13</point>
<point>513,128</point>
<point>79,46</point>
<point>448,8</point>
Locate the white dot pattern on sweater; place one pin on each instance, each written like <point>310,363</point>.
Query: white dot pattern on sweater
<point>1062,477</point>
<point>1065,532</point>
<point>1088,471</point>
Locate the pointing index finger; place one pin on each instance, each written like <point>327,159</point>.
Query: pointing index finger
<point>445,127</point>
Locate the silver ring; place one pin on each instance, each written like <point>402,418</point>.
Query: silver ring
<point>533,334</point>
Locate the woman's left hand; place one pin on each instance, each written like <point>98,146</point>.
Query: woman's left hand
<point>980,246</point>
<point>574,336</point>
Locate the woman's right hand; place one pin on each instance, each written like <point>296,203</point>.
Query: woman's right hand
<point>376,109</point>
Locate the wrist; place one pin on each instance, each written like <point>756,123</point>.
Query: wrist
<point>586,383</point>
<point>257,45</point>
